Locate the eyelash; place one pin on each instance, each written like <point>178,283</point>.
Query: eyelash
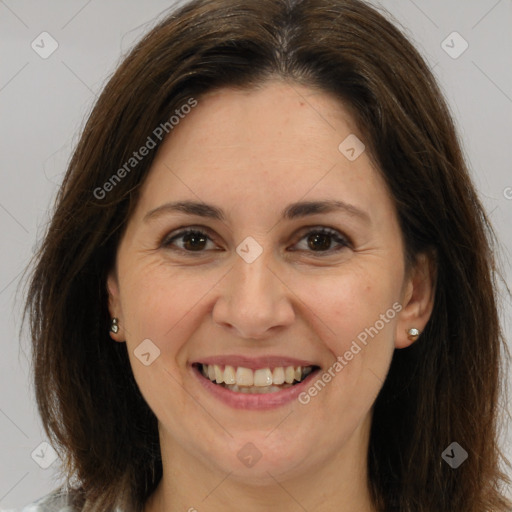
<point>336,237</point>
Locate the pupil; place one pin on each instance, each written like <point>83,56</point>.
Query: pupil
<point>191,240</point>
<point>322,241</point>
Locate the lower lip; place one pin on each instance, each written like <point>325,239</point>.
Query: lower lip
<point>258,401</point>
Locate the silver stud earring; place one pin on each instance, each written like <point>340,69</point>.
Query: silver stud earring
<point>413,334</point>
<point>114,326</point>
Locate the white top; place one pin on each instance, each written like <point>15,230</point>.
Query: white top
<point>53,502</point>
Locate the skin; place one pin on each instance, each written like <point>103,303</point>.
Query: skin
<point>252,153</point>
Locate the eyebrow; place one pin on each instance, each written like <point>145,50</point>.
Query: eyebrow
<point>292,211</point>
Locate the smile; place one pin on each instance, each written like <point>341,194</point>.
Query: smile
<point>253,383</point>
<point>262,380</point>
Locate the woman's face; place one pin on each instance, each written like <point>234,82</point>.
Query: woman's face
<point>295,260</point>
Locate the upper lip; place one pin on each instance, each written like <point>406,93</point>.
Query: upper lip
<point>254,363</point>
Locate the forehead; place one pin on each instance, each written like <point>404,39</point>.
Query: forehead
<point>273,121</point>
<point>264,146</point>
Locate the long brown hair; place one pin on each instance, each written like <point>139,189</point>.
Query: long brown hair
<point>444,388</point>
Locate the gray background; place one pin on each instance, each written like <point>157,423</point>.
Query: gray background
<point>44,102</point>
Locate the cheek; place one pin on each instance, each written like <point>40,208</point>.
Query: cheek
<point>355,318</point>
<point>163,304</point>
<point>351,301</point>
<point>356,322</point>
<point>156,297</point>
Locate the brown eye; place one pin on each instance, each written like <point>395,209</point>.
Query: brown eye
<point>194,241</point>
<point>191,240</point>
<point>319,242</point>
<point>322,240</point>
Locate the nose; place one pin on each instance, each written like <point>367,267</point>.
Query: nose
<point>254,301</point>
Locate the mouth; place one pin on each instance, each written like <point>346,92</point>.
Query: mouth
<point>265,380</point>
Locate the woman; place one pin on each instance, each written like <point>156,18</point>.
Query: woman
<point>268,280</point>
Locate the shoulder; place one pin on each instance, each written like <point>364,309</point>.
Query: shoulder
<point>57,501</point>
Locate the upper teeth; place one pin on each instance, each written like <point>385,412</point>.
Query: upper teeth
<point>262,377</point>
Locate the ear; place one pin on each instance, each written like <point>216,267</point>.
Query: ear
<point>417,298</point>
<point>114,305</point>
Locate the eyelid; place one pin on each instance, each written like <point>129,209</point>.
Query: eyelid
<point>183,230</point>
<point>343,239</point>
<point>338,236</point>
